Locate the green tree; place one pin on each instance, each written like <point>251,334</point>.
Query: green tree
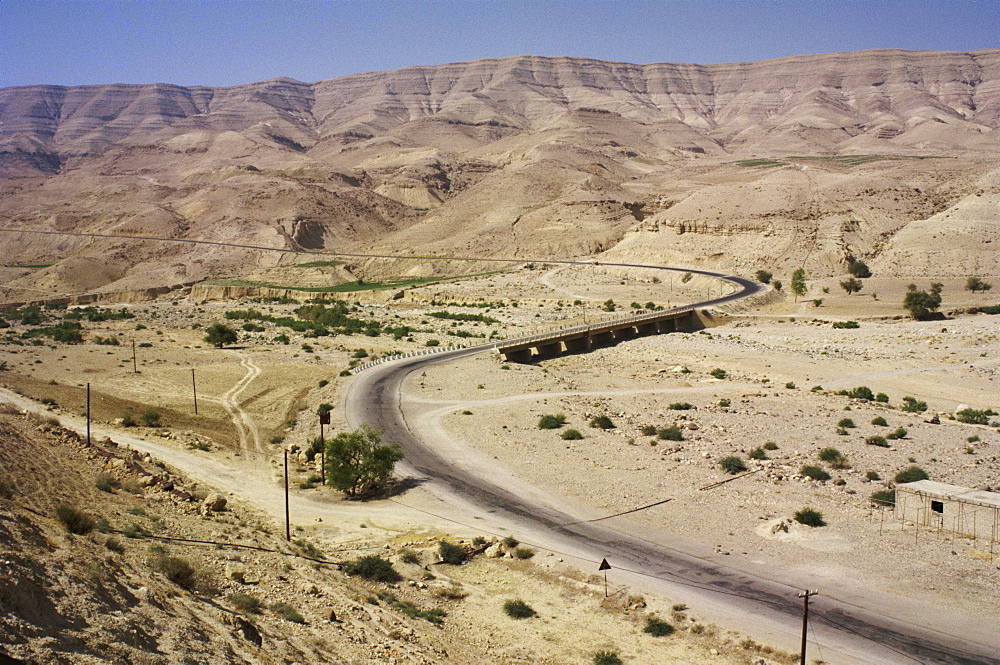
<point>851,285</point>
<point>859,269</point>
<point>219,334</point>
<point>357,462</point>
<point>798,285</point>
<point>976,284</point>
<point>764,276</point>
<point>922,304</point>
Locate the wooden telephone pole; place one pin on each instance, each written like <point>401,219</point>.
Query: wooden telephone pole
<point>805,595</point>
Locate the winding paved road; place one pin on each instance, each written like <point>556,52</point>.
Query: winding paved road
<point>839,631</point>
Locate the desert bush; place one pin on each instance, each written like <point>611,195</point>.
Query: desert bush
<point>74,520</point>
<point>718,373</point>
<point>913,405</point>
<point>177,570</point>
<point>814,472</point>
<point>606,657</point>
<point>873,475</point>
<point>790,385</point>
<point>898,433</point>
<point>846,423</point>
<point>846,324</point>
<point>451,553</point>
<point>830,455</point>
<point>770,445</point>
<point>524,553</point>
<point>671,433</point>
<point>648,430</point>
<point>877,441</point>
<point>150,418</point>
<point>763,276</point>
<point>551,421</point>
<point>861,392</point>
<point>244,603</point>
<point>106,483</point>
<point>882,398</point>
<point>724,402</point>
<point>510,541</point>
<point>372,567</point>
<point>880,421</point>
<point>518,609</point>
<point>454,591</point>
<point>114,545</point>
<point>884,497</point>
<point>135,531</point>
<point>973,439</point>
<point>287,612</point>
<point>602,422</point>
<point>975,416</point>
<point>758,453</point>
<point>6,489</point>
<point>911,474</point>
<point>809,517</point>
<point>657,627</point>
<point>732,464</point>
<point>681,406</point>
<point>571,435</point>
<point>407,555</point>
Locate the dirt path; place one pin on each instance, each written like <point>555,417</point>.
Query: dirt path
<point>246,428</point>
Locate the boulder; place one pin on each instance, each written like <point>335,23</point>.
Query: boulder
<point>214,503</point>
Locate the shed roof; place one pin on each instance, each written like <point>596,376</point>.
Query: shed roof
<point>952,492</point>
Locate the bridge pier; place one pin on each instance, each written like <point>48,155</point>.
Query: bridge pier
<point>550,350</point>
<point>522,356</point>
<point>580,344</point>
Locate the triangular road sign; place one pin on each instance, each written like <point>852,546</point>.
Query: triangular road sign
<point>604,565</point>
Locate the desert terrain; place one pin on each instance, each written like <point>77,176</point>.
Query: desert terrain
<point>341,221</point>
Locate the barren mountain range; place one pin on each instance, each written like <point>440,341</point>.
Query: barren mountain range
<point>888,156</point>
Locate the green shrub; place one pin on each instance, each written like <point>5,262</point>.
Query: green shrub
<point>814,472</point>
<point>913,405</point>
<point>287,612</point>
<point>732,464</point>
<point>657,627</point>
<point>648,430</point>
<point>571,435</point>
<point>975,416</point>
<point>880,421</point>
<point>770,445</point>
<point>973,439</point>
<point>681,406</point>
<point>550,421</point>
<point>884,497</point>
<point>244,603</point>
<point>150,418</point>
<point>830,455</point>
<point>524,553</point>
<point>758,453</point>
<point>846,423</point>
<point>882,398</point>
<point>114,545</point>
<point>911,475</point>
<point>671,433</point>
<point>873,475</point>
<point>451,553</point>
<point>718,373</point>
<point>372,567</point>
<point>605,657</point>
<point>846,324</point>
<point>898,433</point>
<point>128,420</point>
<point>433,342</point>
<point>809,517</point>
<point>602,422</point>
<point>135,531</point>
<point>74,520</point>
<point>518,609</point>
<point>790,385</point>
<point>724,402</point>
<point>862,392</point>
<point>877,441</point>
<point>7,489</point>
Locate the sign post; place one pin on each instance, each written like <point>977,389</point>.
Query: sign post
<point>605,566</point>
<point>324,419</point>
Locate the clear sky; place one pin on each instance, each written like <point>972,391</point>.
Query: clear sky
<point>228,42</point>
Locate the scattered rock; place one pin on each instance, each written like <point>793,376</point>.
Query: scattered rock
<point>214,503</point>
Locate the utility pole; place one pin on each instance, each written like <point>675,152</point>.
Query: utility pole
<point>805,595</point>
<point>324,419</point>
<point>288,529</point>
<point>135,369</point>
<point>194,391</point>
<point>88,414</point>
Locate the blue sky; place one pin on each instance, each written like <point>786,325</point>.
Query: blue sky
<point>228,42</point>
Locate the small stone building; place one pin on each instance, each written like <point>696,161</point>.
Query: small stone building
<point>962,510</point>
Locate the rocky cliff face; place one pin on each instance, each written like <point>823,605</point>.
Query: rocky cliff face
<point>520,156</point>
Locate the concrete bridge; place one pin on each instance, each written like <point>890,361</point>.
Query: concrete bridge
<point>606,333</point>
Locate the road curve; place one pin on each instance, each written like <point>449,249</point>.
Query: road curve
<point>844,632</point>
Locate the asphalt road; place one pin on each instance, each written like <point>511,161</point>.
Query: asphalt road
<point>841,632</point>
